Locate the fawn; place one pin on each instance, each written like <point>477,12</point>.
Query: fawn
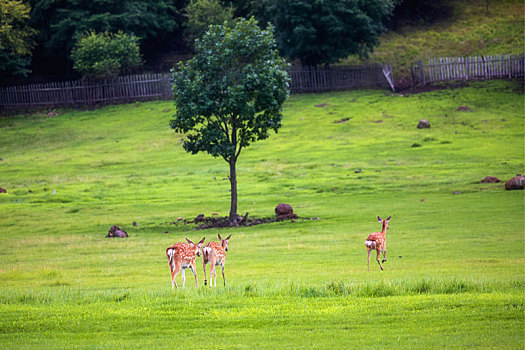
<point>377,241</point>
<point>182,256</point>
<point>215,254</point>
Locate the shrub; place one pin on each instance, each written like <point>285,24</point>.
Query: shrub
<point>105,55</point>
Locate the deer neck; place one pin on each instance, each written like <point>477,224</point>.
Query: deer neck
<point>383,230</point>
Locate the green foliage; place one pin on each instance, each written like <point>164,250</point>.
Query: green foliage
<point>105,55</point>
<point>230,94</point>
<point>62,23</point>
<point>323,32</point>
<point>16,37</point>
<point>200,14</point>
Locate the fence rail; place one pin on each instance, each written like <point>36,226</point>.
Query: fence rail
<point>338,78</point>
<point>81,92</point>
<point>158,86</point>
<point>468,68</point>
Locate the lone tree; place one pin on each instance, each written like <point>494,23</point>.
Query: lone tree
<point>230,94</point>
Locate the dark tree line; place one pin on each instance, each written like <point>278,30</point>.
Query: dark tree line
<point>40,35</point>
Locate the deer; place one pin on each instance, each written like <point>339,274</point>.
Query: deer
<point>377,241</point>
<point>182,256</point>
<point>215,254</point>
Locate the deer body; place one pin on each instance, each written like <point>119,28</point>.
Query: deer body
<point>182,256</point>
<point>215,254</point>
<point>377,241</point>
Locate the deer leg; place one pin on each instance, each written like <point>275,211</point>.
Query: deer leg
<point>212,269</point>
<point>368,261</point>
<point>204,266</point>
<point>215,277</point>
<point>384,256</point>
<point>174,272</point>
<point>184,277</point>
<point>193,269</point>
<point>377,258</point>
<point>223,279</point>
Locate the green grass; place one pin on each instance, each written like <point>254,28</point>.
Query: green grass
<point>454,277</point>
<point>471,31</point>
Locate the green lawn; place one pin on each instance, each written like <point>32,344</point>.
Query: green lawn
<point>455,272</point>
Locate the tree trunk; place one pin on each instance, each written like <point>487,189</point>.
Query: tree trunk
<point>233,183</point>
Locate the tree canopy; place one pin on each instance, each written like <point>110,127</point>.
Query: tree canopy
<point>200,14</point>
<point>16,37</point>
<point>230,94</point>
<point>320,32</point>
<point>63,22</point>
<point>105,55</point>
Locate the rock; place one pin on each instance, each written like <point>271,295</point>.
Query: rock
<point>200,218</point>
<point>3,190</point>
<point>516,183</point>
<point>179,218</point>
<point>285,212</point>
<point>490,180</point>
<point>463,109</point>
<point>115,231</point>
<point>423,124</point>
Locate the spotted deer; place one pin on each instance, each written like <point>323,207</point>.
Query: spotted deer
<point>215,254</point>
<point>182,256</point>
<point>377,241</point>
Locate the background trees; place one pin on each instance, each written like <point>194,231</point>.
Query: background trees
<point>63,22</point>
<point>105,55</point>
<point>16,37</point>
<point>315,32</point>
<point>323,32</point>
<point>230,94</point>
<point>200,14</point>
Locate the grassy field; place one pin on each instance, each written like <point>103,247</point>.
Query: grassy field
<point>455,271</point>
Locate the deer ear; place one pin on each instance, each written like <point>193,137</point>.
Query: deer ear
<point>219,235</point>
<point>388,219</point>
<point>190,242</point>
<point>379,219</point>
<point>227,239</point>
<point>202,240</point>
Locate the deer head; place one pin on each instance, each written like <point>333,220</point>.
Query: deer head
<point>224,242</point>
<point>196,247</point>
<point>384,222</point>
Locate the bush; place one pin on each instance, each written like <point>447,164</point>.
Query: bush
<point>105,55</point>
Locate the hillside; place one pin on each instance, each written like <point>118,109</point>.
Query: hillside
<point>470,31</point>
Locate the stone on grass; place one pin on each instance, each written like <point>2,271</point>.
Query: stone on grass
<point>490,180</point>
<point>285,212</point>
<point>423,124</point>
<point>516,183</point>
<point>115,231</point>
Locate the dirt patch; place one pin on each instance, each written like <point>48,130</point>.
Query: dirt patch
<point>321,105</point>
<point>204,223</point>
<point>342,121</point>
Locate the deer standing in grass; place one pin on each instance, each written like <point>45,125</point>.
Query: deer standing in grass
<point>377,241</point>
<point>182,256</point>
<point>215,254</point>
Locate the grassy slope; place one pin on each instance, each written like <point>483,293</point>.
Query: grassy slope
<point>455,273</point>
<point>470,32</point>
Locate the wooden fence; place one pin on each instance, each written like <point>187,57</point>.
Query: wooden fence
<point>468,68</point>
<point>81,92</point>
<point>339,78</point>
<point>158,86</point>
